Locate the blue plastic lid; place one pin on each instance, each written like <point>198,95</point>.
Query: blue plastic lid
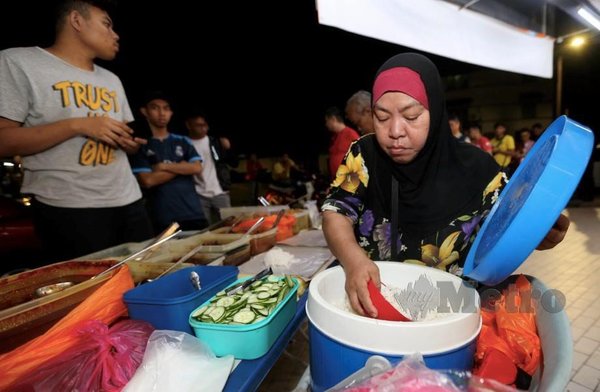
<point>531,202</point>
<point>176,287</point>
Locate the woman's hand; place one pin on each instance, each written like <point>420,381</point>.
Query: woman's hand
<point>359,269</point>
<point>556,234</point>
<point>358,275</point>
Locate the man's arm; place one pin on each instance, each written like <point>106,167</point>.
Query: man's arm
<point>18,140</point>
<point>151,179</point>
<point>180,168</point>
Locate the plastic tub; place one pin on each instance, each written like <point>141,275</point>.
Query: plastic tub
<point>554,330</point>
<point>117,252</point>
<point>302,220</point>
<point>259,243</point>
<point>213,243</point>
<point>167,302</point>
<point>336,353</point>
<point>250,210</point>
<point>247,341</point>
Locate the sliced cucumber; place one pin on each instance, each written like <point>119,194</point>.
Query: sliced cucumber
<point>198,312</point>
<point>225,301</point>
<point>217,313</point>
<point>256,284</point>
<point>244,317</point>
<point>263,295</point>
<point>255,303</point>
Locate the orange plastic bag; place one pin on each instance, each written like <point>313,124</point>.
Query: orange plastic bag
<point>511,328</point>
<point>105,304</point>
<point>284,227</point>
<point>518,328</point>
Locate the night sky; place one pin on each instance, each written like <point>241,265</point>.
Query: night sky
<point>264,82</point>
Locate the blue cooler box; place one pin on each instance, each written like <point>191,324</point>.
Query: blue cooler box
<point>167,302</point>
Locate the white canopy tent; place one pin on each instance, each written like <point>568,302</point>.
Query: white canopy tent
<point>444,29</point>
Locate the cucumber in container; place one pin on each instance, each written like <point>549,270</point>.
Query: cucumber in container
<point>247,323</point>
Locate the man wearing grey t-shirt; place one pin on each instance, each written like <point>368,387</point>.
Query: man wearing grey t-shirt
<point>68,118</point>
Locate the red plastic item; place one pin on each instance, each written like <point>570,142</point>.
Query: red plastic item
<point>385,310</point>
<point>497,366</point>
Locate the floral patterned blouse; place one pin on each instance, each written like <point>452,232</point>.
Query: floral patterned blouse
<point>445,249</point>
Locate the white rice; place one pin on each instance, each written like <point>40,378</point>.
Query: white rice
<point>421,312</point>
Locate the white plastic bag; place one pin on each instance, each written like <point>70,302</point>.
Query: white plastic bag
<point>301,261</point>
<point>177,361</point>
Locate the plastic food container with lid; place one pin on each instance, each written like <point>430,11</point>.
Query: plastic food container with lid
<point>167,302</point>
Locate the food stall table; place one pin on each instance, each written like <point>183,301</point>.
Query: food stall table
<point>249,374</point>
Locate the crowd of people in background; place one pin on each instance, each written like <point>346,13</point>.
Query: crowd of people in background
<point>75,147</point>
<point>508,150</point>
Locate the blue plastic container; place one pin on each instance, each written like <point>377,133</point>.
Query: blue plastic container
<point>167,302</point>
<point>247,341</point>
<point>347,360</point>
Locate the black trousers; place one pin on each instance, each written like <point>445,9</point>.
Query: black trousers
<point>67,233</point>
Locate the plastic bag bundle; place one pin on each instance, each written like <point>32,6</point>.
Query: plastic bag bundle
<point>511,328</point>
<point>411,375</point>
<point>104,360</point>
<point>105,304</point>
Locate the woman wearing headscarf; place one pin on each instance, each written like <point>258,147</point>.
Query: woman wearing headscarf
<point>409,192</point>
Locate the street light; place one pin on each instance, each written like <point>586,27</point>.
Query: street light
<point>576,42</point>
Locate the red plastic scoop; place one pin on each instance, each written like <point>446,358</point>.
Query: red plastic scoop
<point>385,310</point>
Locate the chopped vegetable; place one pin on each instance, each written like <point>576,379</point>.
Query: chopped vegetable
<point>252,305</point>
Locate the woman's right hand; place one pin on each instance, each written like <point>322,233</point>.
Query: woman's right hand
<point>358,274</point>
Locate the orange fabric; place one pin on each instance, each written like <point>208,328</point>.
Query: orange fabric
<point>105,304</point>
<point>511,329</point>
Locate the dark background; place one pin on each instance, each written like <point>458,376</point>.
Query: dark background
<point>263,71</point>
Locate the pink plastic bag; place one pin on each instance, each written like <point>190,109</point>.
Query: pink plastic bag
<point>411,375</point>
<point>104,360</point>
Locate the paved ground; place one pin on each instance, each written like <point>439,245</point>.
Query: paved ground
<point>573,268</point>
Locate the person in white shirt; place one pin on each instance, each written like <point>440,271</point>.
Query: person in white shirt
<point>67,117</point>
<point>212,185</point>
